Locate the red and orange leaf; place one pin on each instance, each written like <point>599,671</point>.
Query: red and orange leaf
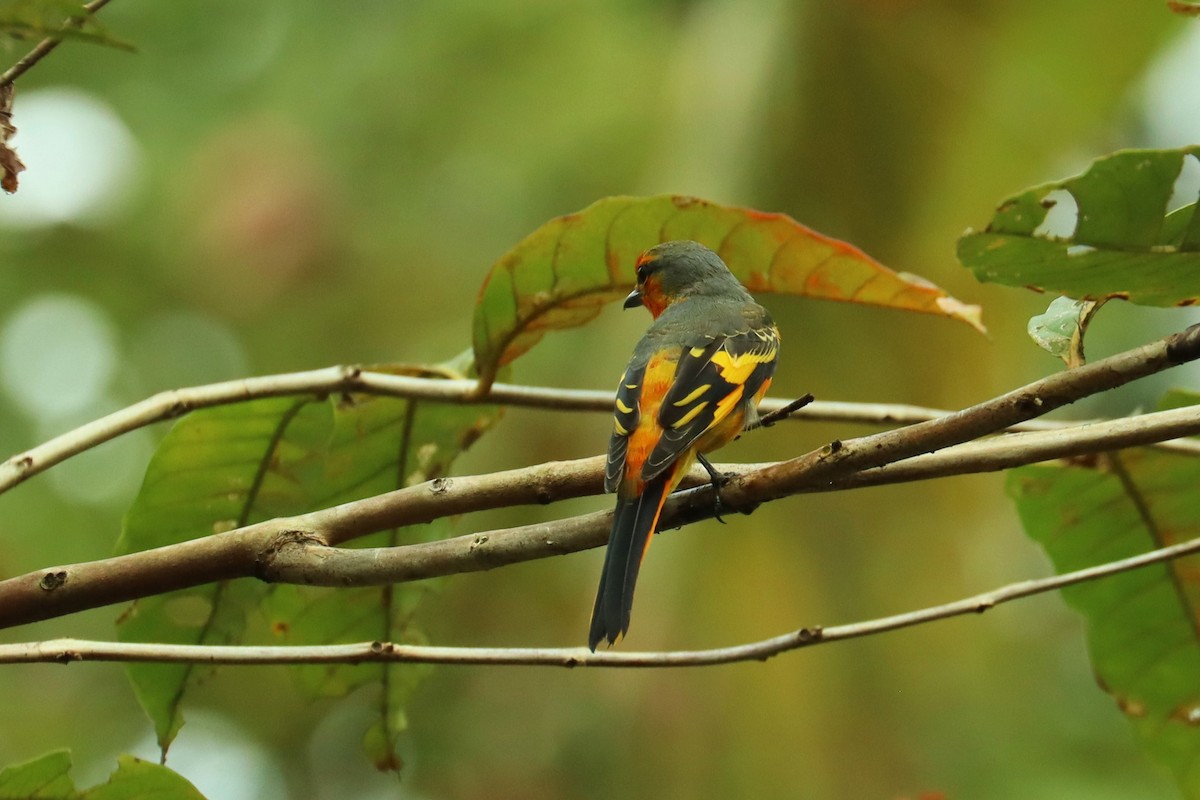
<point>562,274</point>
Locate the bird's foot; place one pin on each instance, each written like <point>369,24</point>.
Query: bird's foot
<point>718,479</point>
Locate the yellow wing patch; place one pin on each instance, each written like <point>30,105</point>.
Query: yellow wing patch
<point>691,415</point>
<point>737,369</point>
<point>727,403</point>
<point>691,397</point>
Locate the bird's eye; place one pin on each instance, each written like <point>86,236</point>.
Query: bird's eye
<point>643,270</point>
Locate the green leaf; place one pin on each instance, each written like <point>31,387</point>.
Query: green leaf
<point>55,19</point>
<point>44,778</point>
<point>225,467</point>
<point>563,273</point>
<point>216,470</point>
<point>1178,398</point>
<point>1122,243</point>
<point>48,778</point>
<point>1059,331</point>
<point>1141,625</point>
<point>136,779</point>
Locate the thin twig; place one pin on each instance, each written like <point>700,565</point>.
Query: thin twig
<point>65,651</point>
<point>780,414</point>
<point>332,380</point>
<point>45,46</point>
<point>344,379</point>
<point>1017,449</point>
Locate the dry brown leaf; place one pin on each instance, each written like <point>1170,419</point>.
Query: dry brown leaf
<point>10,163</point>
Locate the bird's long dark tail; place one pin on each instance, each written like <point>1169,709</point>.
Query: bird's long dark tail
<point>633,523</point>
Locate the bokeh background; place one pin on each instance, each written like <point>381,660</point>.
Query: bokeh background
<point>277,185</point>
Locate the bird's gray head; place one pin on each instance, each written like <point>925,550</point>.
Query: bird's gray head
<point>674,270</point>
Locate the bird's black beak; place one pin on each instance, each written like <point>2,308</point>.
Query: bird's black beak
<point>633,300</point>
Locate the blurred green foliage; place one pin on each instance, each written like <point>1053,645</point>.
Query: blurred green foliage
<point>312,184</point>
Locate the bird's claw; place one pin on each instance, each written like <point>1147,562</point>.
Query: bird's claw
<point>718,480</point>
<point>717,506</point>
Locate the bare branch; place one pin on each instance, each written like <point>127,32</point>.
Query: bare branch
<point>309,562</point>
<point>1017,449</point>
<point>65,651</point>
<point>1035,399</point>
<point>297,549</point>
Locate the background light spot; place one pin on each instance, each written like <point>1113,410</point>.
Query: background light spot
<point>1171,94</point>
<point>79,157</point>
<point>221,759</point>
<point>57,355</point>
<point>107,475</point>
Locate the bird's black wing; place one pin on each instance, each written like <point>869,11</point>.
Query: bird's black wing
<point>711,381</point>
<point>625,419</point>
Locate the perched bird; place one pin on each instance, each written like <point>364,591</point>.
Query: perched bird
<point>693,384</point>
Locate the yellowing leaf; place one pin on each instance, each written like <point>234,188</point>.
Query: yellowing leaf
<point>564,272</point>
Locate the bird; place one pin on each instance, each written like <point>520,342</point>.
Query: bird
<point>692,385</point>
